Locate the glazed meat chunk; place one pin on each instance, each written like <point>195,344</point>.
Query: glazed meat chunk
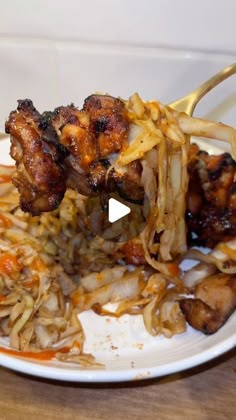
<point>214,301</point>
<point>40,176</point>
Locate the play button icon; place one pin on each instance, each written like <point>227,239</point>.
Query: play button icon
<point>117,210</point>
<point>116,219</point>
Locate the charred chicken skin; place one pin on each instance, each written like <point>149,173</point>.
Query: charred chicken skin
<point>40,176</point>
<point>211,201</point>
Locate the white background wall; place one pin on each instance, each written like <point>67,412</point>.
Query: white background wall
<point>57,52</point>
<point>195,24</point>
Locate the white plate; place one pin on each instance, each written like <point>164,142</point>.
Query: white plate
<point>73,71</point>
<point>125,348</point>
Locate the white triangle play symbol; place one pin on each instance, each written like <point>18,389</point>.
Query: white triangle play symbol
<point>116,210</point>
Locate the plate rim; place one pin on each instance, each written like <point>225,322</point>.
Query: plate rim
<point>41,370</point>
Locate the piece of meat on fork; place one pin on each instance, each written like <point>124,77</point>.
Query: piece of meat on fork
<point>70,148</point>
<point>40,176</point>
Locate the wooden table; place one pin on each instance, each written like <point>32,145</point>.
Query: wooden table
<point>206,392</point>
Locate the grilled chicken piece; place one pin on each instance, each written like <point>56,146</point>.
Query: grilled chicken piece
<point>40,176</point>
<point>93,136</point>
<point>211,200</point>
<point>214,302</point>
<point>70,148</point>
<point>108,123</point>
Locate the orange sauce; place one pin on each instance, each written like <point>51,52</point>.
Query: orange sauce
<point>228,251</point>
<point>75,298</point>
<point>38,264</point>
<point>9,264</point>
<point>34,281</point>
<point>4,178</point>
<point>40,355</point>
<point>134,253</point>
<point>173,269</point>
<point>77,345</point>
<point>5,222</point>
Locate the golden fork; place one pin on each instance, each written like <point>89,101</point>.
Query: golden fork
<point>188,103</point>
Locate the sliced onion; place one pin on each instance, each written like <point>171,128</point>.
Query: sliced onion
<point>192,277</point>
<point>210,129</point>
<point>29,306</point>
<point>127,287</point>
<point>95,280</point>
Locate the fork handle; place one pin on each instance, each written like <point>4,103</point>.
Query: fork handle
<point>188,103</point>
<point>212,82</point>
